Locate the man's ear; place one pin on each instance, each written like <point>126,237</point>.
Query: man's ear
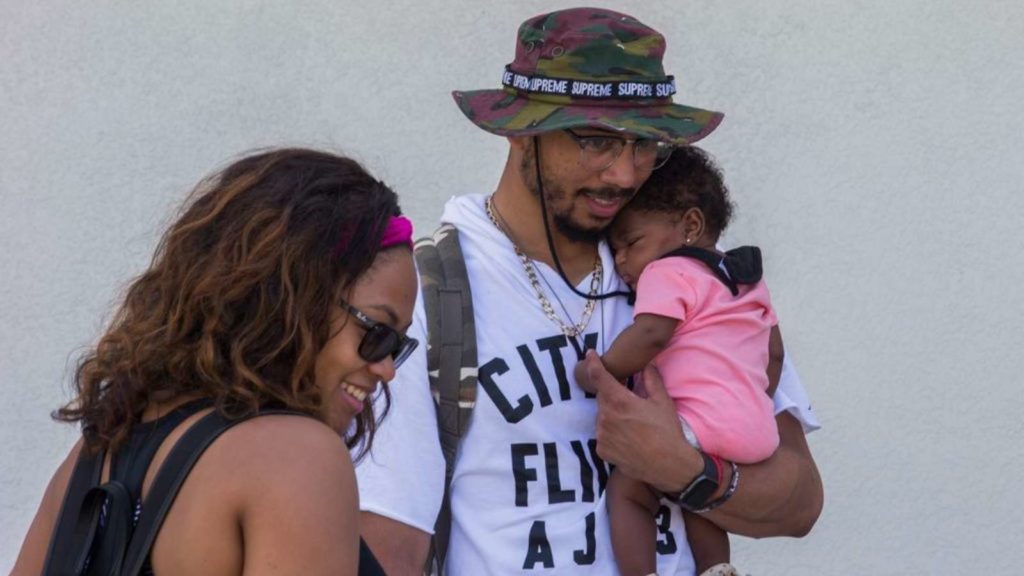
<point>693,225</point>
<point>519,142</point>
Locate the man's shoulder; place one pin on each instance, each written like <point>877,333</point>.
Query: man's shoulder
<point>463,210</point>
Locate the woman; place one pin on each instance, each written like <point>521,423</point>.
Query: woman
<point>286,283</point>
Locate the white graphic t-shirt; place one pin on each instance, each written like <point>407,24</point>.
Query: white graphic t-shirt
<point>528,486</point>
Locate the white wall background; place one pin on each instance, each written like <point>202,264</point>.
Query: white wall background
<point>874,149</point>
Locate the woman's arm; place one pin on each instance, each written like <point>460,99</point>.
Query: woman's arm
<point>33,551</point>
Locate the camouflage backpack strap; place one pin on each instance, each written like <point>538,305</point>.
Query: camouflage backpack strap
<point>451,357</point>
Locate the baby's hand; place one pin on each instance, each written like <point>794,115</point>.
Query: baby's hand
<point>583,379</point>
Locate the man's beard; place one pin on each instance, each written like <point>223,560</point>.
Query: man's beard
<point>573,232</point>
<point>564,223</point>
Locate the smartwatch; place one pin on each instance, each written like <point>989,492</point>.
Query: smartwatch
<point>698,493</point>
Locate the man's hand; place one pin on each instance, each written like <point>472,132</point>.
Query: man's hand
<point>641,436</point>
<point>583,378</point>
<point>781,496</point>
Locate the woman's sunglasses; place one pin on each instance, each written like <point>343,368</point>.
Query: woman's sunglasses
<point>381,340</point>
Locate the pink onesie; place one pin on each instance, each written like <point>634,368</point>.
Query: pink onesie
<point>714,366</point>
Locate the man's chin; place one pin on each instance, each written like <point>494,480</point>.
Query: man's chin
<point>575,232</point>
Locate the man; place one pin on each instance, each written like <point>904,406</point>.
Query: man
<point>586,107</point>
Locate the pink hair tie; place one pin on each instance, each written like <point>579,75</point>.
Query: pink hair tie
<point>398,232</point>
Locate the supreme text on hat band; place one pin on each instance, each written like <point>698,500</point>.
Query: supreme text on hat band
<point>615,90</point>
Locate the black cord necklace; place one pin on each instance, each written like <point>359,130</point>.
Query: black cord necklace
<point>550,238</point>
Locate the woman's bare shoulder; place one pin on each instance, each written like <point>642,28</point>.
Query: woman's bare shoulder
<point>284,450</point>
<point>295,492</point>
<point>287,433</point>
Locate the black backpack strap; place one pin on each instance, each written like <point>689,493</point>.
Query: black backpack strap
<point>169,479</point>
<point>742,265</point>
<point>71,549</point>
<point>113,501</point>
<point>451,358</point>
<point>131,462</point>
<point>86,501</point>
<point>63,557</point>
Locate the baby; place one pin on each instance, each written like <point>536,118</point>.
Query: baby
<point>706,320</point>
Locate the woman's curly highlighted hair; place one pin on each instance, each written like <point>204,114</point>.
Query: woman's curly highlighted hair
<point>235,305</point>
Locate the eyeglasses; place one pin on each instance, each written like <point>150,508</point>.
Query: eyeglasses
<point>381,340</point>
<point>599,151</point>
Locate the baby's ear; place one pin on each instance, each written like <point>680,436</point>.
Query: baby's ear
<point>693,224</point>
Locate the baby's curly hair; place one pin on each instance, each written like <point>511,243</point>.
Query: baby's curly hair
<point>689,179</point>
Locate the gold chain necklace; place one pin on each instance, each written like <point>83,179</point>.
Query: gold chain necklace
<point>570,330</point>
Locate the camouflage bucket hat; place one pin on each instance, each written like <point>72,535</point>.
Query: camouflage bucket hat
<point>587,67</point>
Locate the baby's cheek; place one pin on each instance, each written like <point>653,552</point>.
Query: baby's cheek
<point>634,264</point>
<point>624,269</point>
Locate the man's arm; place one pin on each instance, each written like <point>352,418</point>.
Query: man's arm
<point>399,548</point>
<point>401,479</point>
<point>781,496</point>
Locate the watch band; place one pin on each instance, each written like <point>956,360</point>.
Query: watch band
<point>729,491</point>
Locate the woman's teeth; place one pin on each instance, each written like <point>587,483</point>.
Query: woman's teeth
<point>357,393</point>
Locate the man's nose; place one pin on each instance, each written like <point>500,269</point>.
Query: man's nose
<point>623,172</point>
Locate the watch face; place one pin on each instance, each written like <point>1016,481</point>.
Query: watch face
<point>699,492</point>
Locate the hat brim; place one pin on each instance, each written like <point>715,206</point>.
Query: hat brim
<point>508,114</point>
